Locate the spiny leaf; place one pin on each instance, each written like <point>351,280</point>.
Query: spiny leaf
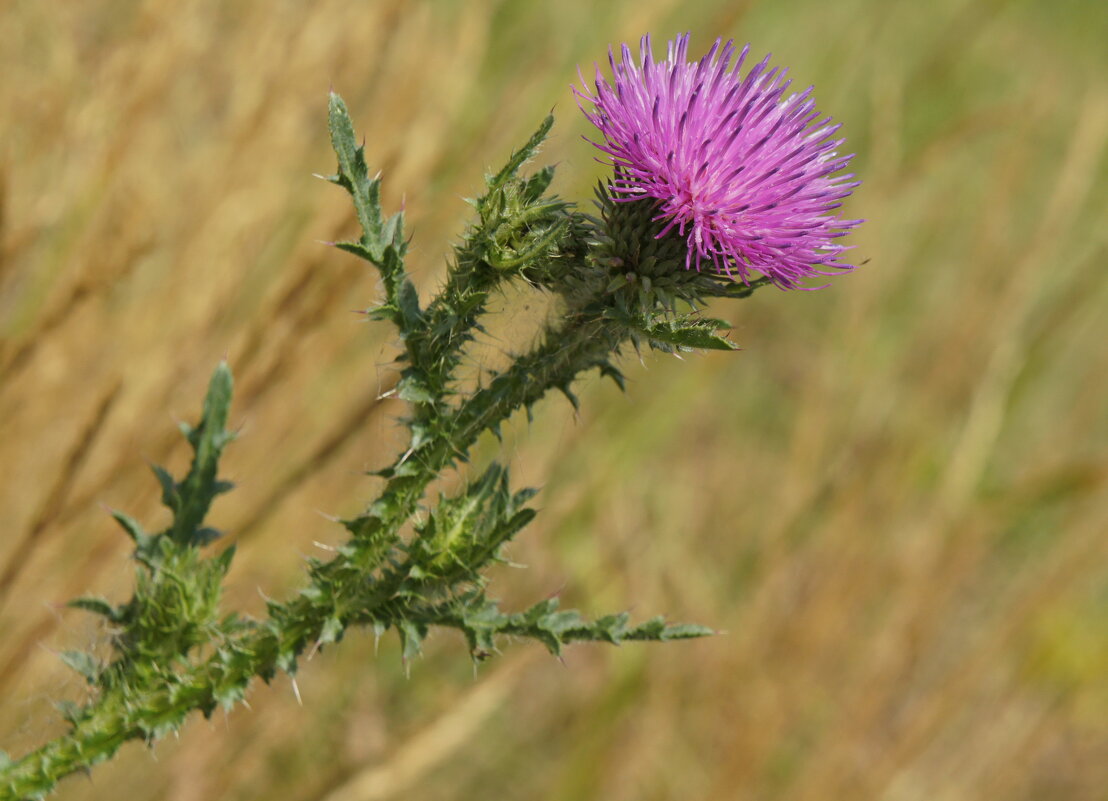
<point>286,660</point>
<point>223,561</point>
<point>412,634</point>
<point>382,241</point>
<point>519,157</point>
<point>98,606</point>
<point>133,528</point>
<point>408,302</point>
<point>194,495</point>
<point>170,498</point>
<point>481,620</point>
<point>685,631</point>
<point>69,710</point>
<point>354,176</point>
<point>686,332</point>
<point>538,183</point>
<point>83,663</point>
<point>393,234</point>
<point>574,401</point>
<point>228,695</point>
<point>608,370</point>
<point>204,536</point>
<point>359,250</point>
<point>331,630</point>
<point>726,288</point>
<point>155,726</point>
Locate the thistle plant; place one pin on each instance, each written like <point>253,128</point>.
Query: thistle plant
<point>720,185</point>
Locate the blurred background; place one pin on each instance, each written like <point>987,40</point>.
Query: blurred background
<point>893,502</point>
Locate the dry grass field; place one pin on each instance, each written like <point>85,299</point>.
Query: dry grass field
<point>893,502</point>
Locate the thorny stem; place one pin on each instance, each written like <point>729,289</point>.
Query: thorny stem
<point>173,653</point>
<point>585,341</point>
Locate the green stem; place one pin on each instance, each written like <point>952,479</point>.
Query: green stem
<point>585,341</point>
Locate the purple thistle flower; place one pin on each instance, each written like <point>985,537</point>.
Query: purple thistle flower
<point>743,172</point>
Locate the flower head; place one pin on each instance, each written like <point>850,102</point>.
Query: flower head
<point>743,172</point>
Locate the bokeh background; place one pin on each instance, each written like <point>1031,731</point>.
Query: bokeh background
<point>893,502</point>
